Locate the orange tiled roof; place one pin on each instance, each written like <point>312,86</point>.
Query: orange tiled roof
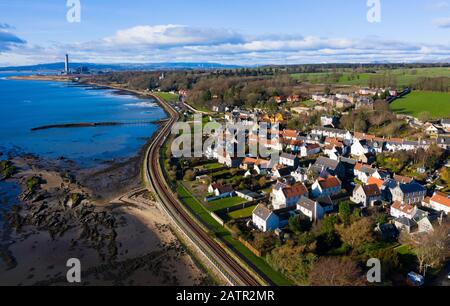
<point>407,209</point>
<point>441,199</point>
<point>375,181</point>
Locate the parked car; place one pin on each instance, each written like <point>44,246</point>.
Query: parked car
<point>415,279</point>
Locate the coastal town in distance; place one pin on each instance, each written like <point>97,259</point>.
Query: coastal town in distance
<point>193,156</point>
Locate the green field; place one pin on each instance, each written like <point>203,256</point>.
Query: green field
<point>405,77</point>
<point>437,104</point>
<point>225,203</point>
<point>167,96</point>
<point>242,213</point>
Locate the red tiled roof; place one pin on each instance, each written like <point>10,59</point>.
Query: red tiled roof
<point>295,190</point>
<point>330,182</point>
<point>371,190</point>
<point>289,133</point>
<point>402,179</point>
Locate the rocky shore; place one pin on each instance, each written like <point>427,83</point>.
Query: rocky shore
<point>120,237</point>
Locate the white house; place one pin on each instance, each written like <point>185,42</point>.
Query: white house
<point>285,195</point>
<point>220,190</point>
<point>289,160</point>
<point>309,150</point>
<point>446,124</point>
<point>366,195</point>
<point>399,210</point>
<point>265,219</point>
<point>326,187</point>
<point>358,149</point>
<point>439,202</point>
<point>312,209</point>
<point>300,174</point>
<point>364,172</point>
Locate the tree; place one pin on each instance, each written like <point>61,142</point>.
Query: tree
<point>357,234</point>
<point>299,224</point>
<point>189,176</point>
<point>292,262</point>
<point>432,248</point>
<point>333,271</point>
<point>424,116</point>
<point>345,212</point>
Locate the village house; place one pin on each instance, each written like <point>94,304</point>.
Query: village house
<point>408,193</point>
<point>367,195</point>
<point>328,121</point>
<point>249,195</point>
<point>439,202</point>
<point>289,134</point>
<point>410,218</point>
<point>293,98</point>
<point>333,167</point>
<point>265,219</point>
<point>432,129</point>
<point>311,209</point>
<point>309,150</point>
<point>300,174</point>
<point>281,171</point>
<point>326,187</point>
<point>332,133</point>
<point>225,158</point>
<point>220,191</point>
<point>446,125</point>
<point>363,172</point>
<point>289,160</point>
<point>293,146</point>
<point>443,142</point>
<point>286,195</point>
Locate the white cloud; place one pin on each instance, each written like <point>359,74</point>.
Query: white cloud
<point>171,35</point>
<point>442,22</point>
<point>176,43</point>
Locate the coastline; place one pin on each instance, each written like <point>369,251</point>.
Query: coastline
<point>139,241</point>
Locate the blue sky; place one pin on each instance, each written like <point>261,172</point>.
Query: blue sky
<point>226,31</point>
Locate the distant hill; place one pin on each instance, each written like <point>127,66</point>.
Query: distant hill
<point>121,67</point>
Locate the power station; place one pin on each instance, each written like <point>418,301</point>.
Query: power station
<point>66,65</point>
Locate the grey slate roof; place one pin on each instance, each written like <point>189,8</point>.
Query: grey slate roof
<point>307,203</point>
<point>262,212</point>
<point>412,188</point>
<point>406,222</point>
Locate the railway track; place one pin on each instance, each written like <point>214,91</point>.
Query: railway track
<point>227,266</point>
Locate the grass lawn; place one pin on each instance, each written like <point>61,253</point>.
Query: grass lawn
<point>242,213</point>
<point>212,166</point>
<point>170,97</point>
<point>405,77</point>
<point>407,257</point>
<point>437,104</point>
<point>225,203</point>
<point>214,226</point>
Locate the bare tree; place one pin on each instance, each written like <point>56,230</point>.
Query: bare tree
<point>334,271</point>
<point>432,248</point>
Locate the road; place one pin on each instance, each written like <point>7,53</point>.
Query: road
<point>231,270</point>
